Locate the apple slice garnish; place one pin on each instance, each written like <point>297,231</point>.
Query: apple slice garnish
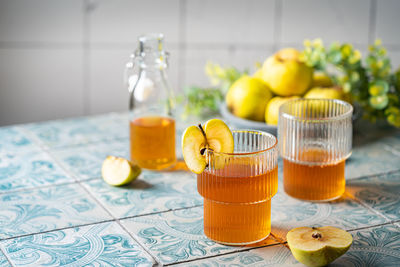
<point>215,135</point>
<point>318,246</point>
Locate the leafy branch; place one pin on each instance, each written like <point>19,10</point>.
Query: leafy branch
<point>206,101</point>
<point>371,84</point>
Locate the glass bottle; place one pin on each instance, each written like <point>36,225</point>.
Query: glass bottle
<point>151,105</point>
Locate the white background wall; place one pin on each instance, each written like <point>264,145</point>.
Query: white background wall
<point>65,58</point>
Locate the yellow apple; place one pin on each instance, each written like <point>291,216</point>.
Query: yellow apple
<point>286,74</point>
<point>248,97</point>
<point>272,110</point>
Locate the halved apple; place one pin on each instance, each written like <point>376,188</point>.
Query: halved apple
<point>318,246</point>
<point>215,136</point>
<point>118,171</point>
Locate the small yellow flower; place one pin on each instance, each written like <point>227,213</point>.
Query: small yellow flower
<point>346,50</point>
<point>378,42</point>
<point>307,43</point>
<point>317,43</point>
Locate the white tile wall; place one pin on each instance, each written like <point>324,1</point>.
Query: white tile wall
<point>49,21</point>
<point>388,21</point>
<point>242,58</point>
<point>339,20</point>
<point>121,21</point>
<point>229,21</point>
<point>107,92</point>
<point>394,56</point>
<point>71,54</point>
<point>38,84</point>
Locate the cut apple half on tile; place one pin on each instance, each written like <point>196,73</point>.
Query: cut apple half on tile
<point>215,136</point>
<point>318,246</point>
<point>118,171</point>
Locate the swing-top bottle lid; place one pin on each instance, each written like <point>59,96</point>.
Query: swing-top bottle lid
<point>151,43</point>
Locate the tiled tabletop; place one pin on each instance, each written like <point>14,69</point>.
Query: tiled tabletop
<point>56,210</point>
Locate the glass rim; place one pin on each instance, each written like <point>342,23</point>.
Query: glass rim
<point>274,145</point>
<point>345,114</point>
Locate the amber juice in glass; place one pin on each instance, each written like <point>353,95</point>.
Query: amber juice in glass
<point>152,142</point>
<point>316,179</point>
<point>237,189</point>
<point>315,138</point>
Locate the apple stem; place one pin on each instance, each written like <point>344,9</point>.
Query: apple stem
<point>204,134</point>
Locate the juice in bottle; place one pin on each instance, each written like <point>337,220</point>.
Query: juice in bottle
<point>152,142</point>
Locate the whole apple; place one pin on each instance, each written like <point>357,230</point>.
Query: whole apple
<point>286,74</point>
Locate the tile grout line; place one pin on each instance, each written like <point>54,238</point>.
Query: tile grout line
<point>374,175</point>
<point>373,226</point>
<point>222,254</point>
<point>5,255</point>
<point>277,31</point>
<point>155,258</point>
<point>87,8</point>
<point>58,229</point>
<point>37,187</point>
<point>367,206</point>
<point>182,44</point>
<point>372,22</point>
<point>93,223</point>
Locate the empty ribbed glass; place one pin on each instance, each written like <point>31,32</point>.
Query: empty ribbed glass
<point>315,137</point>
<point>238,187</point>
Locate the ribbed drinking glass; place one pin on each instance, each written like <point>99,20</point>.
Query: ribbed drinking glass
<point>238,187</point>
<point>315,139</point>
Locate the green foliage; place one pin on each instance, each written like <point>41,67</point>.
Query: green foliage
<point>205,101</point>
<point>200,101</point>
<point>372,84</point>
<point>223,78</point>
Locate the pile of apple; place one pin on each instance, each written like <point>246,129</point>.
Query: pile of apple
<point>282,77</point>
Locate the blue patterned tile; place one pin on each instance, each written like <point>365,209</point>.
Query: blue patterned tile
<point>346,213</point>
<point>85,161</point>
<point>105,244</point>
<point>378,246</point>
<point>77,131</point>
<point>29,169</point>
<point>177,235</point>
<point>14,139</point>
<point>151,192</point>
<point>371,158</point>
<point>3,260</point>
<point>379,192</point>
<point>44,209</point>
<point>275,255</point>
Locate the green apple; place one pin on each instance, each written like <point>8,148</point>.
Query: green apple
<point>248,97</point>
<point>215,135</point>
<point>286,74</point>
<point>119,171</point>
<point>318,246</point>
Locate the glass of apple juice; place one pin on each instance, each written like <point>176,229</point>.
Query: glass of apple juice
<point>237,189</point>
<point>315,139</point>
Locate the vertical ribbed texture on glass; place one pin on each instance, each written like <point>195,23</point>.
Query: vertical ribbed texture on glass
<point>237,189</point>
<point>315,138</point>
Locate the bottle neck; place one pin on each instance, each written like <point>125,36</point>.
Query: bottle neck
<point>156,60</point>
